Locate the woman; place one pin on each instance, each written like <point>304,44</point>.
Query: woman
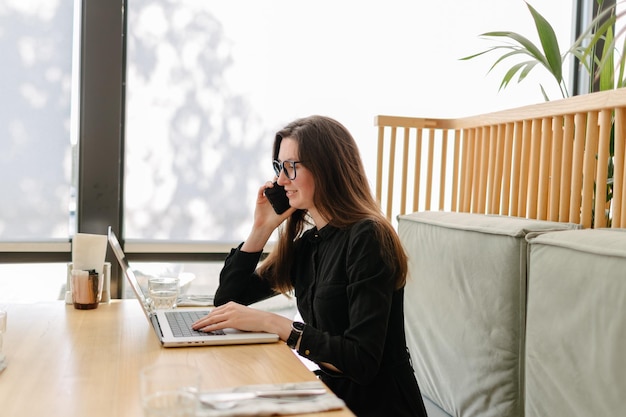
<point>345,264</point>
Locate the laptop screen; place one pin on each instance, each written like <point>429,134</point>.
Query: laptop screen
<point>130,276</point>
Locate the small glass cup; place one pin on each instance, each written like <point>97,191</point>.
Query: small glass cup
<point>170,390</point>
<point>3,328</point>
<point>86,289</point>
<point>163,292</point>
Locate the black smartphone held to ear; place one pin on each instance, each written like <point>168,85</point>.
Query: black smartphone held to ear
<point>278,198</point>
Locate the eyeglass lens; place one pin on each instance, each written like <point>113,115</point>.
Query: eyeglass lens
<point>288,167</point>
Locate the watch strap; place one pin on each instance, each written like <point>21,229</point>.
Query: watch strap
<point>296,331</point>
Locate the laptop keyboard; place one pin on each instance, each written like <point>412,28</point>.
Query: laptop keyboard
<point>180,322</point>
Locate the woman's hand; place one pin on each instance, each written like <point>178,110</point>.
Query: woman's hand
<point>264,213</point>
<point>265,221</point>
<point>237,316</point>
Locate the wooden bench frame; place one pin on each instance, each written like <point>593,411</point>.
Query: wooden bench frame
<point>540,162</point>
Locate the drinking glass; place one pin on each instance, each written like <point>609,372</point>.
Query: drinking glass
<point>169,390</point>
<point>163,292</point>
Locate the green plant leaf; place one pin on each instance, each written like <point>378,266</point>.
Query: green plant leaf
<point>513,52</point>
<point>527,68</point>
<point>594,37</point>
<point>523,68</point>
<point>549,43</point>
<point>606,71</point>
<point>466,58</point>
<point>584,48</point>
<point>543,92</point>
<point>529,47</point>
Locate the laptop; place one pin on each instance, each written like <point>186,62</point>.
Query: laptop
<point>173,327</point>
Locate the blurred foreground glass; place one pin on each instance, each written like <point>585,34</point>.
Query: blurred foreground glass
<point>169,390</point>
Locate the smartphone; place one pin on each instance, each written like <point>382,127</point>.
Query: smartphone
<point>278,198</point>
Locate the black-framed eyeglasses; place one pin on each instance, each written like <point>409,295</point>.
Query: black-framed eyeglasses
<point>288,167</point>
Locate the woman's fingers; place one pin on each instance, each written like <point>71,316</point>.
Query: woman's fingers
<point>217,318</point>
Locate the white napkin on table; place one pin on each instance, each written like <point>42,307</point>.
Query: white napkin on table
<point>276,406</point>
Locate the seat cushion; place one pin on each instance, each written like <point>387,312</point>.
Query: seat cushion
<point>465,308</point>
<point>576,330</point>
<point>433,410</point>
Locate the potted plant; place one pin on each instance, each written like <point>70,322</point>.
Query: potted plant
<point>595,49</point>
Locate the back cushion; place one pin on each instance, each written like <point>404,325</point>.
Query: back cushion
<point>576,330</point>
<point>465,308</point>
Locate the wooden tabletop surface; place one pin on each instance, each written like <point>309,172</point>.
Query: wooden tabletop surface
<point>68,362</point>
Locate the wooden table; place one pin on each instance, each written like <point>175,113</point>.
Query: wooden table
<point>68,362</point>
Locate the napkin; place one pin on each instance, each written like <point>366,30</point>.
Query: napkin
<point>194,301</point>
<point>275,406</point>
<point>89,251</point>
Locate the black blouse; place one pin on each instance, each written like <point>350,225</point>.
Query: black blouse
<point>354,316</point>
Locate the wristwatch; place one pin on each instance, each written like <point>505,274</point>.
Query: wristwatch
<point>296,331</point>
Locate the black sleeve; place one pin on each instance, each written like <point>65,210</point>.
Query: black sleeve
<point>239,282</point>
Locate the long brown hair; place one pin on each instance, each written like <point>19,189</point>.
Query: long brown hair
<point>342,195</point>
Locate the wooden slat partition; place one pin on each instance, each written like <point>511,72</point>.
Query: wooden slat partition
<point>546,161</point>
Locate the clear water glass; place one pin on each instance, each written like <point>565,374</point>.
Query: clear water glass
<point>170,390</point>
<point>163,292</point>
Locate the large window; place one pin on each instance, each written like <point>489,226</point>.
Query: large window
<point>208,84</point>
<point>194,143</point>
<point>179,101</point>
<point>36,84</point>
